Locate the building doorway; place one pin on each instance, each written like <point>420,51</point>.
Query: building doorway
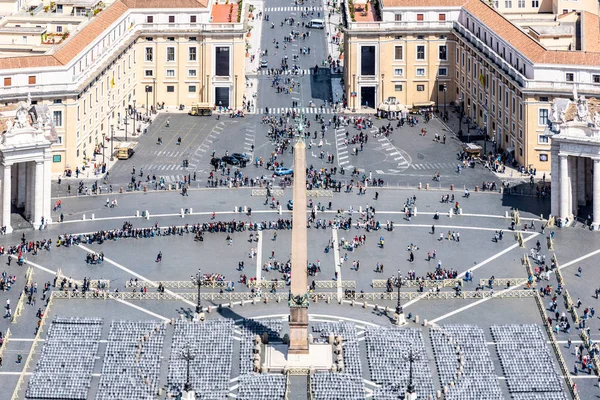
<point>222,97</point>
<point>367,96</point>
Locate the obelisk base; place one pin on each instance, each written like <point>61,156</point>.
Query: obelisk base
<point>298,330</point>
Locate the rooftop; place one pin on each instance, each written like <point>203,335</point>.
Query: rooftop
<point>223,13</point>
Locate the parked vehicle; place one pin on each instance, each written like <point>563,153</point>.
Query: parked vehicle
<point>280,171</point>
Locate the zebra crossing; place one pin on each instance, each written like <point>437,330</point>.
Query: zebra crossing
<point>392,151</point>
<point>166,153</point>
<point>293,8</point>
<point>342,149</point>
<point>436,166</point>
<point>304,110</point>
<point>157,168</point>
<point>301,71</point>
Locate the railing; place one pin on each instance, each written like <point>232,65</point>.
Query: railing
<point>93,283</point>
<point>5,342</point>
<point>397,25</point>
<point>209,284</point>
<point>280,284</point>
<point>503,282</point>
<point>36,340</point>
<point>428,283</point>
<point>22,296</point>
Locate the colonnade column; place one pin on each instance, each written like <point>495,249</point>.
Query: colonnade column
<point>46,202</point>
<point>581,181</point>
<point>555,183</point>
<point>6,194</point>
<point>564,186</point>
<point>596,193</point>
<point>38,193</point>
<point>573,184</point>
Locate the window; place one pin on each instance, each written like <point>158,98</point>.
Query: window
<point>31,79</point>
<point>420,52</point>
<point>150,19</point>
<point>443,71</point>
<point>421,37</point>
<point>170,53</point>
<point>149,39</point>
<point>171,38</point>
<point>192,38</point>
<point>420,88</point>
<point>192,89</point>
<point>170,89</point>
<point>420,71</point>
<point>192,54</point>
<point>596,78</point>
<point>543,116</point>
<point>171,19</point>
<point>507,3</point>
<point>192,19</point>
<point>570,77</point>
<point>222,61</point>
<point>398,72</point>
<point>420,17</point>
<point>7,81</point>
<point>398,52</point>
<point>441,87</point>
<point>170,73</point>
<point>57,101</point>
<point>192,73</point>
<point>59,29</point>
<point>398,17</point>
<point>535,3</point>
<point>398,87</point>
<point>543,139</point>
<point>367,60</point>
<point>521,4</point>
<point>149,73</point>
<point>441,17</point>
<point>443,52</point>
<point>149,54</point>
<point>57,118</point>
<point>543,98</point>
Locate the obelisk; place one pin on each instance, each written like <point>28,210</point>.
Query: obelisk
<point>299,301</point>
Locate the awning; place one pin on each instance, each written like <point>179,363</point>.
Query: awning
<point>424,104</point>
<point>510,150</point>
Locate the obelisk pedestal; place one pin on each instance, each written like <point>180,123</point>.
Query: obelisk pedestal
<point>299,301</point>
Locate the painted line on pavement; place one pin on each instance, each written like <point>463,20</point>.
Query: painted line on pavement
<point>155,315</point>
<point>568,264</point>
<point>140,277</point>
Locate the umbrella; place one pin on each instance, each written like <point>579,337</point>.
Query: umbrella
<point>384,107</point>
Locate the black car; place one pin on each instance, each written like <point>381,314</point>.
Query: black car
<point>230,160</point>
<point>215,162</point>
<point>241,157</point>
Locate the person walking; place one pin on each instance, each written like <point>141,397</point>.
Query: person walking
<point>159,257</point>
<point>433,229</point>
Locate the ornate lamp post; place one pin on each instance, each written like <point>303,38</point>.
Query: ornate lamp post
<point>411,393</point>
<point>445,89</point>
<point>468,124</point>
<point>485,139</point>
<point>188,393</point>
<point>197,280</point>
<point>400,319</point>
<point>461,115</point>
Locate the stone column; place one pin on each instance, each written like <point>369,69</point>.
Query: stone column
<point>30,185</point>
<point>38,194</point>
<point>596,194</point>
<point>6,197</point>
<point>21,184</point>
<point>299,284</point>
<point>47,200</point>
<point>554,183</point>
<point>573,182</point>
<point>581,181</point>
<point>564,186</point>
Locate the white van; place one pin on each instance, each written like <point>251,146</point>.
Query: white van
<point>316,23</point>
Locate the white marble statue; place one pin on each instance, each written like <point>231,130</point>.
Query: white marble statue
<point>554,112</point>
<point>596,119</point>
<point>583,113</point>
<point>29,100</point>
<point>48,119</point>
<point>562,118</point>
<point>575,96</point>
<point>22,119</point>
<point>9,125</point>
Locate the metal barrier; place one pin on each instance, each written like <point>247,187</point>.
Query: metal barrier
<point>516,217</point>
<point>6,339</point>
<point>93,283</point>
<point>428,283</point>
<point>319,193</point>
<point>556,348</point>
<point>36,340</point>
<point>280,284</point>
<point>266,284</point>
<point>503,282</point>
<point>209,284</point>
<point>527,263</point>
<point>263,192</point>
<point>22,296</point>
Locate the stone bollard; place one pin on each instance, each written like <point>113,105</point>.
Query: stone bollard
<point>505,214</point>
<point>280,210</point>
<point>501,189</point>
<point>438,394</point>
<point>424,322</point>
<point>83,217</point>
<point>241,303</point>
<point>147,215</point>
<point>181,213</point>
<point>427,186</point>
<point>278,300</point>
<point>477,188</point>
<point>420,186</point>
<point>245,209</point>
<point>360,209</point>
<point>93,216</point>
<point>137,213</point>
<point>331,338</point>
<point>450,213</point>
<point>365,304</point>
<point>145,188</point>
<point>208,309</point>
<point>542,217</point>
<point>264,369</point>
<point>231,305</point>
<point>316,299</point>
<point>352,304</point>
<point>415,211</point>
<point>387,310</point>
<point>328,301</point>
<point>254,301</point>
<point>311,338</point>
<point>376,308</point>
<point>266,299</point>
<point>416,319</point>
<point>460,210</point>
<point>452,187</point>
<point>121,189</point>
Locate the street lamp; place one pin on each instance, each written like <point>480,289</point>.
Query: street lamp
<point>197,280</point>
<point>445,87</point>
<point>188,357</point>
<point>494,140</point>
<point>112,137</point>
<point>353,94</point>
<point>485,138</point>
<point>468,124</point>
<point>148,88</point>
<point>125,121</point>
<point>400,320</point>
<point>461,115</point>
